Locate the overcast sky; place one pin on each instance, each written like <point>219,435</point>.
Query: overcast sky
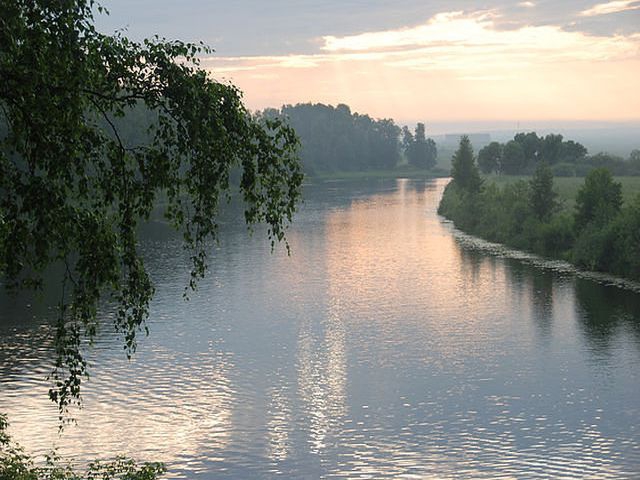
<point>414,60</point>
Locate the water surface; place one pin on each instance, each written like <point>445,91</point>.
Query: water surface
<point>383,347</point>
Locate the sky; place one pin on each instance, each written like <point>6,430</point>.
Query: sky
<point>442,61</point>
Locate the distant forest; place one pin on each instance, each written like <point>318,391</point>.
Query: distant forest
<point>523,154</point>
<point>335,139</point>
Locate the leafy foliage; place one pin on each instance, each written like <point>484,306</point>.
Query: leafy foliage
<point>616,165</point>
<point>73,189</point>
<point>531,146</point>
<point>335,139</point>
<point>463,168</point>
<point>513,158</point>
<point>420,151</point>
<point>600,235</point>
<point>490,158</point>
<point>17,465</point>
<point>599,200</point>
<point>567,158</point>
<point>542,196</point>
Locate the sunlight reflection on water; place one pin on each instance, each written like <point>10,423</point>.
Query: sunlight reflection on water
<point>387,345</point>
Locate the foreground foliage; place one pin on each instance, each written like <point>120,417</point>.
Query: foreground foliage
<point>600,234</point>
<point>17,465</point>
<point>73,190</point>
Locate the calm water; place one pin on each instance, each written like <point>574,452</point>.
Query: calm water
<point>385,346</point>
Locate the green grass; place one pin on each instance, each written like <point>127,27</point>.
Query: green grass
<point>399,172</point>
<point>567,187</point>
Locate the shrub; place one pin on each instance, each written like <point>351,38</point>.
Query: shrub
<point>17,465</point>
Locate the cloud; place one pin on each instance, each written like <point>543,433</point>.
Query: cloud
<point>453,41</point>
<point>527,4</point>
<point>451,59</point>
<point>462,41</point>
<point>442,29</point>
<point>611,7</point>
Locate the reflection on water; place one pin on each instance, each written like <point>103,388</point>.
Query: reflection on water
<point>321,382</point>
<point>385,346</point>
<point>606,314</point>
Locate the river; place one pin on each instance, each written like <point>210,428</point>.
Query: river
<point>384,346</point>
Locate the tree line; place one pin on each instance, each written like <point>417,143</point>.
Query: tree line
<point>565,157</point>
<point>335,139</point>
<point>602,232</point>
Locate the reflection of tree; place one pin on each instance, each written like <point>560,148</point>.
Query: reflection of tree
<point>26,332</point>
<point>25,354</point>
<point>542,301</point>
<point>517,274</point>
<point>470,263</point>
<point>525,281</point>
<point>604,310</point>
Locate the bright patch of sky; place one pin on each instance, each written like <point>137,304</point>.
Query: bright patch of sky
<point>413,60</point>
<point>610,7</point>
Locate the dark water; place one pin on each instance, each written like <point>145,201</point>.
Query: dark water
<point>383,347</point>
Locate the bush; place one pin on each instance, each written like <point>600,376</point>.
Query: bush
<point>557,237</point>
<point>593,247</point>
<point>599,199</point>
<point>16,465</point>
<point>598,236</point>
<point>626,241</point>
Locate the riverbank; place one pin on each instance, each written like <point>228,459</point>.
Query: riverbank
<point>567,187</point>
<point>609,241</point>
<point>398,172</point>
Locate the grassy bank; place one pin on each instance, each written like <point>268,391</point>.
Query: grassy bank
<point>596,228</point>
<point>567,187</point>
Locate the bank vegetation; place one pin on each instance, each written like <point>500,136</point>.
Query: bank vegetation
<point>600,232</point>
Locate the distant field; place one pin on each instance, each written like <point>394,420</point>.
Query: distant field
<point>567,187</point>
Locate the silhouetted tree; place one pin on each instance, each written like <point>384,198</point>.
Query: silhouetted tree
<point>490,158</point>
<point>513,159</point>
<point>335,139</point>
<point>572,152</point>
<point>599,200</point>
<point>407,140</point>
<point>421,151</point>
<point>464,171</point>
<point>531,145</point>
<point>542,197</point>
<point>551,149</point>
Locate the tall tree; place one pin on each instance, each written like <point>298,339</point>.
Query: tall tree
<point>598,200</point>
<point>464,171</point>
<point>335,139</point>
<point>542,196</point>
<point>422,151</point>
<point>407,140</point>
<point>551,148</point>
<point>513,159</point>
<point>490,158</point>
<point>531,145</point>
<point>73,191</point>
<point>572,152</point>
<point>633,162</point>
